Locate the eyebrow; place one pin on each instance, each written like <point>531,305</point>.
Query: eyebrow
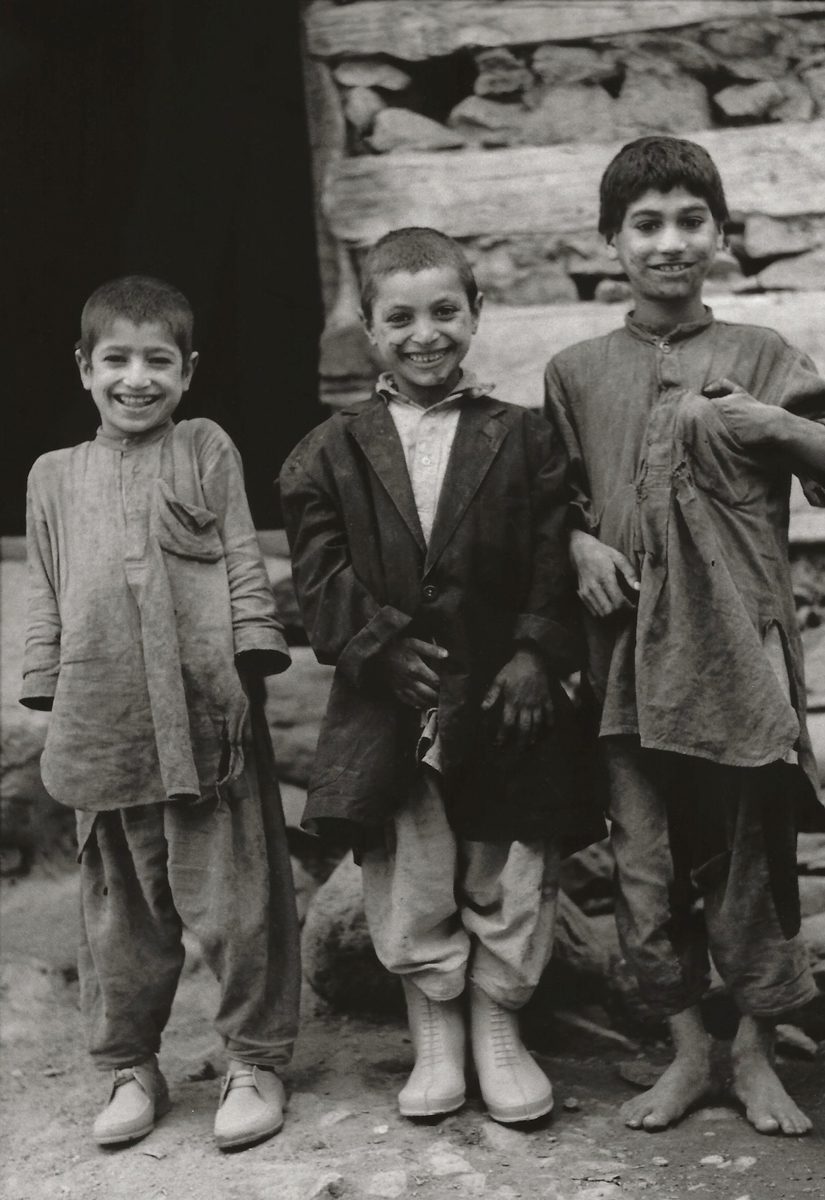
<point>657,212</point>
<point>147,349</point>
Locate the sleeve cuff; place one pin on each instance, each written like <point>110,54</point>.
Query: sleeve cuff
<point>39,688</point>
<point>263,651</point>
<point>386,624</point>
<point>556,643</point>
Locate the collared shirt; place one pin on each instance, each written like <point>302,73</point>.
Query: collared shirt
<point>427,436</point>
<point>654,472</point>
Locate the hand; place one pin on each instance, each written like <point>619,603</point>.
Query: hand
<point>523,692</point>
<point>599,567</point>
<point>750,421</point>
<point>411,668</point>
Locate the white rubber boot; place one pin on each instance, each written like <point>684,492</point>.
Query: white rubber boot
<point>512,1083</point>
<point>436,1084</point>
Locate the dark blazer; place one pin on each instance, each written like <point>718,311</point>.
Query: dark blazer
<point>496,574</point>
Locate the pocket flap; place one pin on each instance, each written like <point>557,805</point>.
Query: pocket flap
<point>185,529</point>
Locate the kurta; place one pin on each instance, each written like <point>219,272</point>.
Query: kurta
<point>494,574</point>
<point>147,591</point>
<point>711,663</point>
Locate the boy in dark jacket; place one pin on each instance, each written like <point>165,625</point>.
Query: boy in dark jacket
<point>430,563</point>
<point>681,434</point>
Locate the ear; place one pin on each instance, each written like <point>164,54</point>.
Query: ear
<point>85,369</point>
<point>477,310</point>
<point>189,369</point>
<point>367,324</point>
<point>610,246</point>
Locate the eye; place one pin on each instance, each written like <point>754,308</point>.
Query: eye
<point>446,312</point>
<point>161,362</point>
<point>114,358</point>
<point>398,318</point>
<point>693,222</point>
<point>647,226</point>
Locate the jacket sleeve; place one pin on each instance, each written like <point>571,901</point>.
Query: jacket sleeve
<point>803,393</point>
<point>345,624</point>
<point>259,637</point>
<point>575,488</point>
<point>41,657</point>
<point>549,618</point>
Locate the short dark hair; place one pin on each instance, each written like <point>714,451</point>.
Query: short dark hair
<point>661,164</point>
<point>413,248</point>
<point>141,299</point>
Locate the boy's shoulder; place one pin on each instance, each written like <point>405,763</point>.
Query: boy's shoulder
<point>54,463</point>
<point>590,349</point>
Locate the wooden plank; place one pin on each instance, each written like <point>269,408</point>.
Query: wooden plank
<point>778,170</point>
<point>419,29</point>
<point>514,344</point>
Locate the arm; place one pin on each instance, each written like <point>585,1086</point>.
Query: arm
<point>260,648</point>
<point>546,631</point>
<point>345,624</point>
<point>790,426</point>
<point>606,579</point>
<point>41,660</point>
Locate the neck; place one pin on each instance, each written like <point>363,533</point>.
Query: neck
<point>662,317</point>
<point>426,397</point>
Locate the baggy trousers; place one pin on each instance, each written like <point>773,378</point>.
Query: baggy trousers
<point>683,828</point>
<point>441,909</point>
<point>220,868</point>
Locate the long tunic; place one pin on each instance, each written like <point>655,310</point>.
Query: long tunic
<point>147,592</point>
<point>711,664</point>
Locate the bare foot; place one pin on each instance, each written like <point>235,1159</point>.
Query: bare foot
<point>681,1086</point>
<point>767,1105</point>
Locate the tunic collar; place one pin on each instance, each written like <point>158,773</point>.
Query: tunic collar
<point>131,441</point>
<point>678,334</point>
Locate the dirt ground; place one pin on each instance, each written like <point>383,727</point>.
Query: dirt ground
<point>343,1136</point>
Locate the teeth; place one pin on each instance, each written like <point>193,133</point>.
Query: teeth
<point>424,359</point>
<point>671,268</point>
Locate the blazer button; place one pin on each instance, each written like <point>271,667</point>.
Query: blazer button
<point>430,592</point>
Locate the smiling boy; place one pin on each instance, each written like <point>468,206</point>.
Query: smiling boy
<point>681,434</point>
<point>150,625</point>
<point>430,564</point>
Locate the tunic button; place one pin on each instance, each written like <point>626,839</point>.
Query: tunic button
<point>429,592</point>
<point>665,347</point>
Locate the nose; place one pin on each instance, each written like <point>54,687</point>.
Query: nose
<point>671,239</point>
<point>424,331</point>
<point>136,373</point>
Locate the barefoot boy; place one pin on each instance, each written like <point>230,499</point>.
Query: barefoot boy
<point>681,434</point>
<point>431,566</point>
<point>151,623</point>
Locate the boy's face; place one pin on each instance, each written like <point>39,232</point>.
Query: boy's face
<point>136,375</point>
<point>421,327</point>
<point>667,244</point>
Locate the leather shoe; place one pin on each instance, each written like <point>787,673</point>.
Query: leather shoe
<point>251,1107</point>
<point>138,1098</point>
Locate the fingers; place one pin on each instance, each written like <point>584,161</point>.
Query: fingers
<point>426,650</point>
<point>417,695</point>
<point>720,387</point>
<point>493,693</point>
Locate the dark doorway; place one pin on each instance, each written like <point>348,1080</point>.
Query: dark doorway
<point>164,137</point>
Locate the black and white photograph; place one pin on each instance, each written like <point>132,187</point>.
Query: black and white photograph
<point>412,606</point>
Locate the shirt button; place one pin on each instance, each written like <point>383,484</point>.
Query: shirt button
<point>665,347</point>
<point>429,592</point>
<point>425,458</point>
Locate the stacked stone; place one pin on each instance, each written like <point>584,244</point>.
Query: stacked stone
<point>712,75</point>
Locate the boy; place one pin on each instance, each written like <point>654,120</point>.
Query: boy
<point>430,567</point>
<point>151,624</point>
<point>681,432</point>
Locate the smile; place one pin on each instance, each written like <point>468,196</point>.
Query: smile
<point>425,358</point>
<point>136,402</point>
<point>671,268</point>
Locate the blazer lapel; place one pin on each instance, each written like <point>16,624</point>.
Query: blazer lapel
<point>375,432</point>
<point>477,441</point>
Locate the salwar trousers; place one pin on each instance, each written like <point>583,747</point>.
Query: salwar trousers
<point>221,869</point>
<point>683,829</point>
<point>442,910</point>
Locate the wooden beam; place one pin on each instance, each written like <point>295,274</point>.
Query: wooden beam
<point>778,170</point>
<point>413,30</point>
<point>514,344</point>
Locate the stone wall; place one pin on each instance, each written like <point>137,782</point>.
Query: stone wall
<point>494,121</point>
